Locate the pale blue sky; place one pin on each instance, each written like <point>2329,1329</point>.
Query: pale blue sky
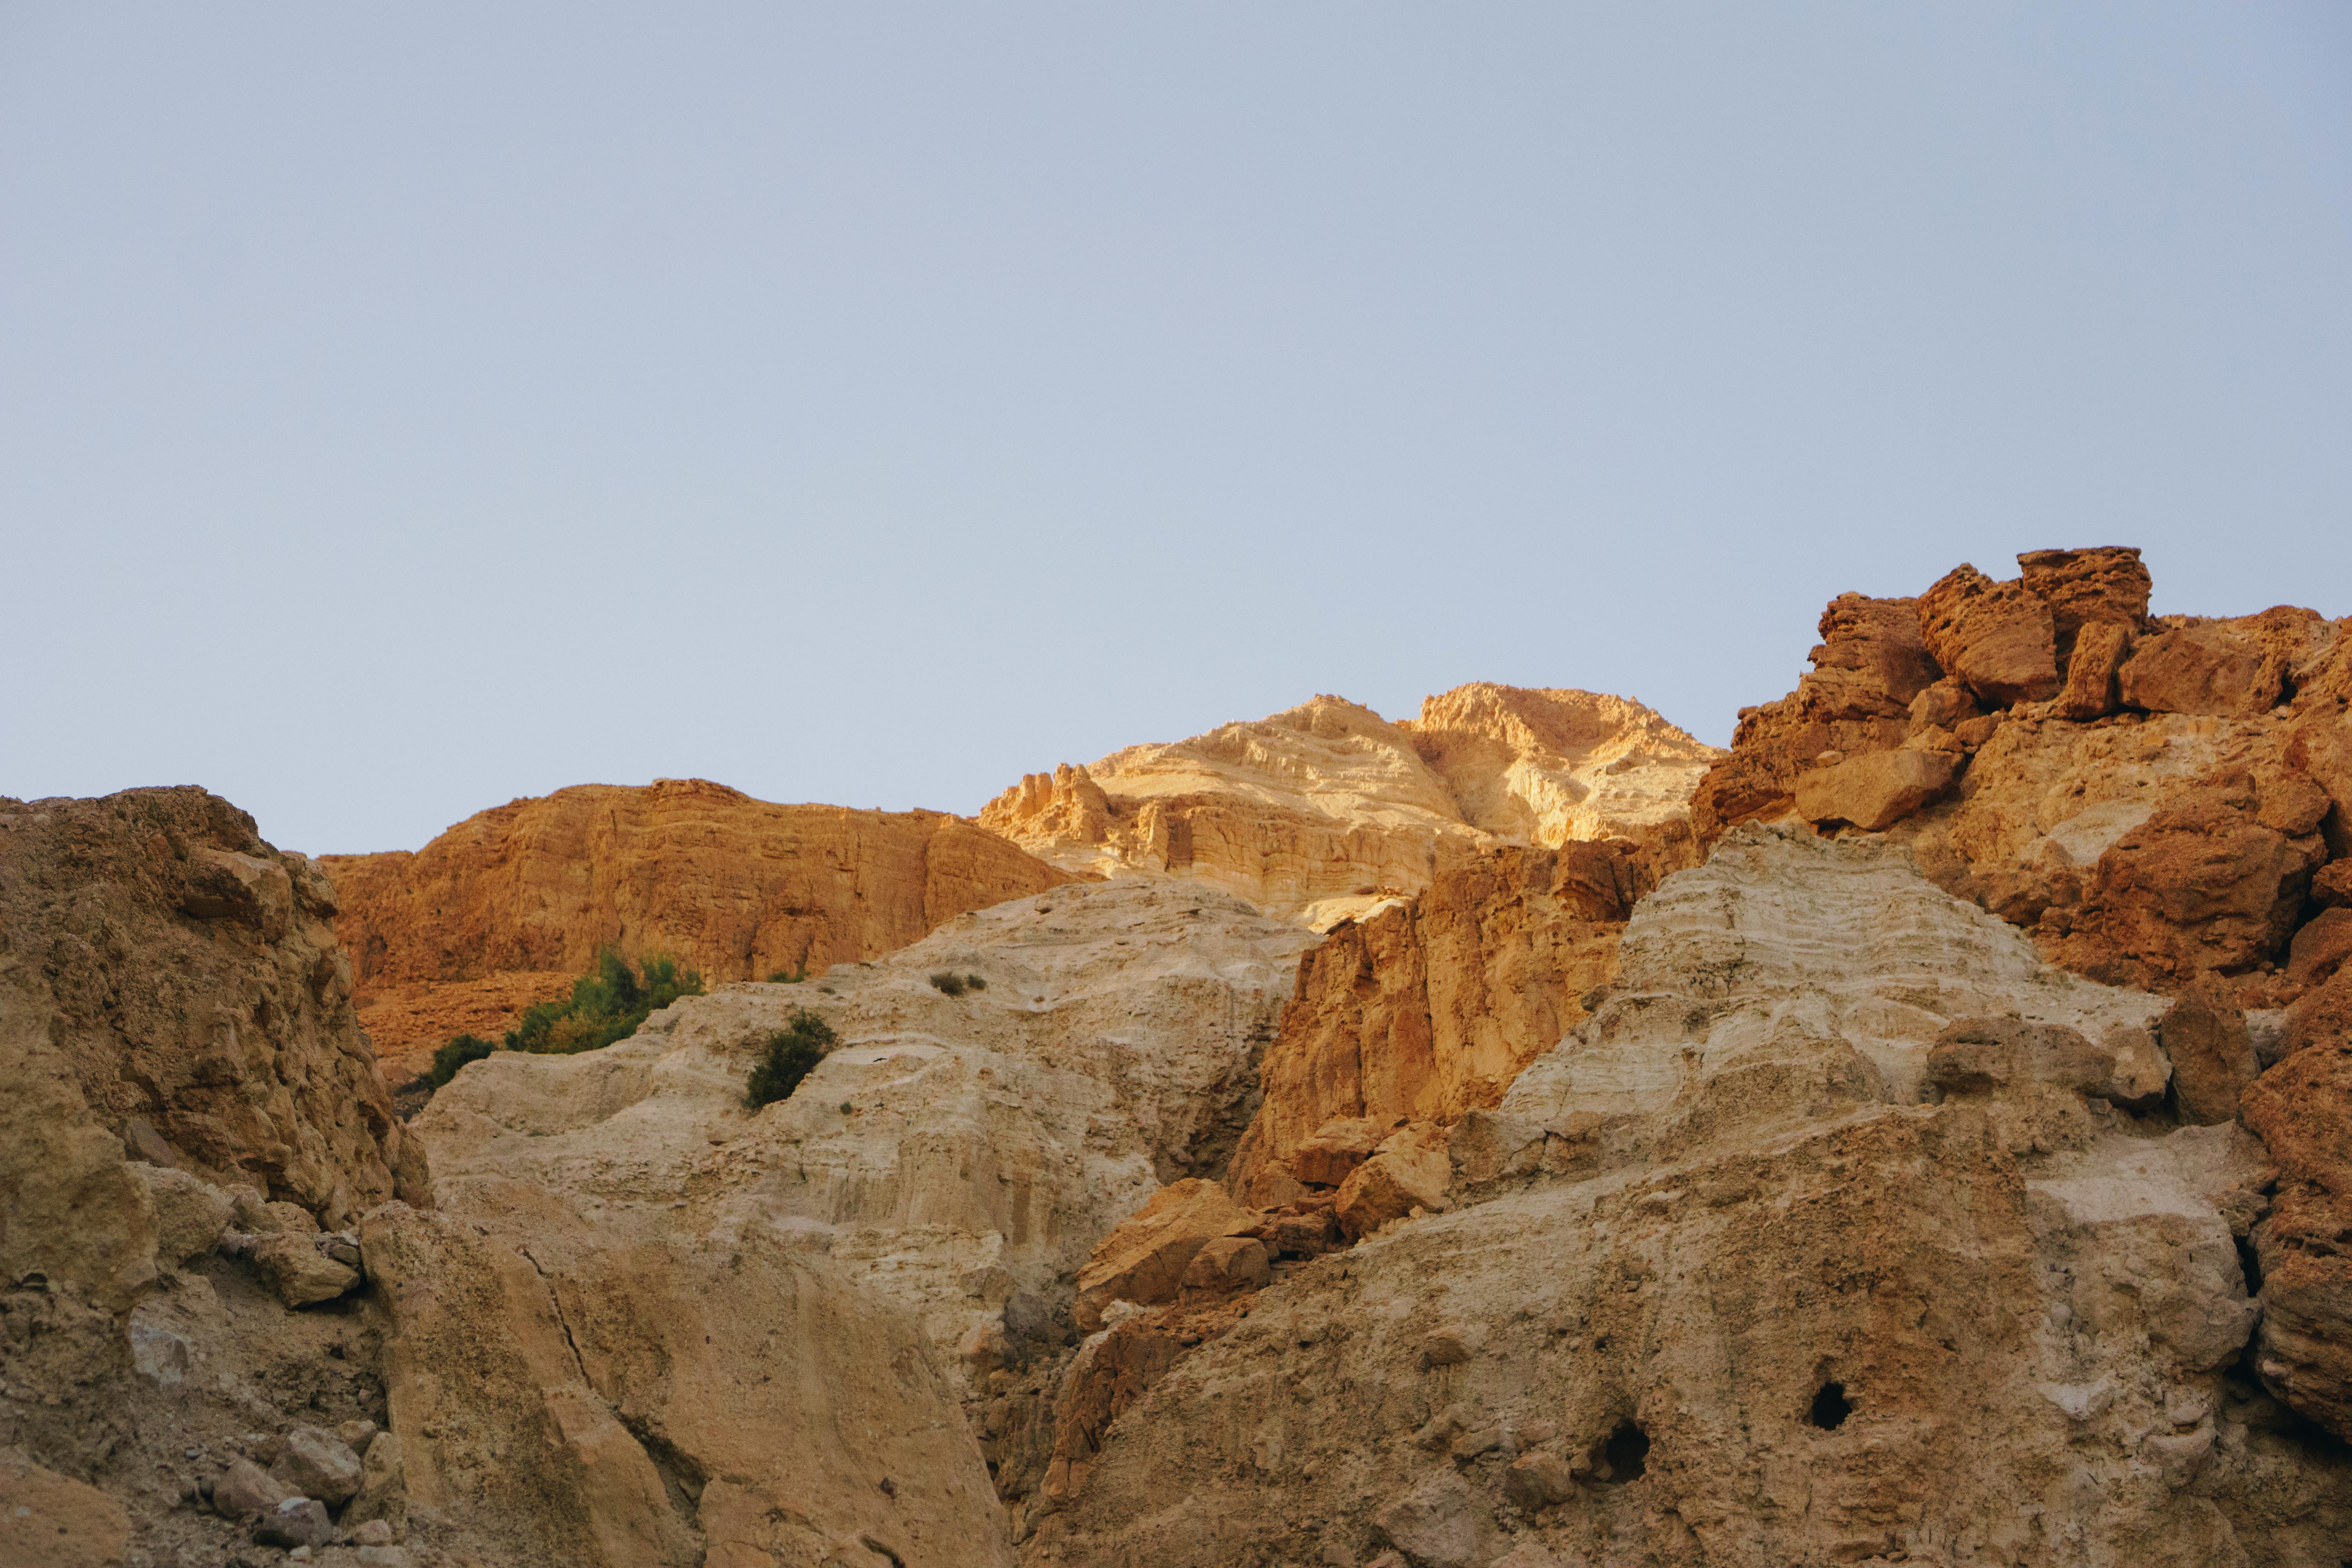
<point>404,408</point>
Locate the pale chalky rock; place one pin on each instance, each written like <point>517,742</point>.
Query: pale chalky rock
<point>1683,1288</point>
<point>190,1214</point>
<point>319,1464</point>
<point>299,1272</point>
<point>991,1140</point>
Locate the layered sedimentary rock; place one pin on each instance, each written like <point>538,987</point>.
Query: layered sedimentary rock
<point>169,982</point>
<point>952,1162</point>
<point>990,1139</point>
<point>1827,1239</point>
<point>2152,798</point>
<point>738,888</point>
<point>1430,1008</point>
<point>1327,810</point>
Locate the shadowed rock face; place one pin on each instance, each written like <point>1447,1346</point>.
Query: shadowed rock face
<point>1327,810</point>
<point>1718,1285</point>
<point>513,902</point>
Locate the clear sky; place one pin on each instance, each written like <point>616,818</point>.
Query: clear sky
<point>406,408</point>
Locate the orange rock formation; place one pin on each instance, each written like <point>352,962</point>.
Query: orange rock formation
<point>515,901</point>
<point>1429,1009</point>
<point>2154,798</point>
<point>1327,810</point>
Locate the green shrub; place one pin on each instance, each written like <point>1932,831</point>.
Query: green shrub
<point>789,1056</point>
<point>789,976</point>
<point>975,981</point>
<point>948,984</point>
<point>456,1054</point>
<point>605,1007</point>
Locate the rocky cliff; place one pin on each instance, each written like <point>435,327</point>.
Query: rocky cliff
<point>2155,798</point>
<point>1843,1232</point>
<point>1327,810</point>
<point>508,905</point>
<point>1428,1008</point>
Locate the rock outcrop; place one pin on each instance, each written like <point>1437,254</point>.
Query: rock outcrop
<point>1327,810</point>
<point>169,984</point>
<point>1430,1008</point>
<point>514,903</point>
<point>1729,1276</point>
<point>2152,797</point>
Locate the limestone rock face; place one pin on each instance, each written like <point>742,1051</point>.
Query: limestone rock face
<point>954,1152</point>
<point>620,1394</point>
<point>1429,1009</point>
<point>1718,1286</point>
<point>170,984</point>
<point>1327,810</point>
<point>739,888</point>
<point>2158,820</point>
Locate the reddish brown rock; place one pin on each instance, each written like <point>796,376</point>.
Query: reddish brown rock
<point>2212,883</point>
<point>1875,792</point>
<point>2209,668</point>
<point>1998,638</point>
<point>2305,1353</point>
<point>736,887</point>
<point>2098,653</point>
<point>2323,1016</point>
<point>2320,948</point>
<point>2331,885</point>
<point>1336,1149</point>
<point>2302,1110</point>
<point>2102,586</point>
<point>1430,1009</point>
<point>2212,1053</point>
<point>1869,673</point>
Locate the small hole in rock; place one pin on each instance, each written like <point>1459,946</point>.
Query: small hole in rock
<point>1830,1407</point>
<point>1624,1455</point>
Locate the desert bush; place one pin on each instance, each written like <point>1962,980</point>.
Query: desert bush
<point>789,976</point>
<point>456,1054</point>
<point>948,984</point>
<point>790,1055</point>
<point>605,1006</point>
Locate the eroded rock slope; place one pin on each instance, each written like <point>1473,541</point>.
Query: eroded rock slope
<point>1847,1229</point>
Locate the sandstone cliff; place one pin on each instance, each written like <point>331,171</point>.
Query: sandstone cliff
<point>1832,1236</point>
<point>740,889</point>
<point>1327,809</point>
<point>2154,798</point>
<point>1430,1008</point>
